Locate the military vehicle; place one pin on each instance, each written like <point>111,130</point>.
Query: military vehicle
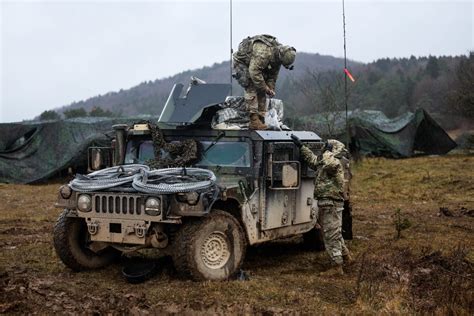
<point>263,193</point>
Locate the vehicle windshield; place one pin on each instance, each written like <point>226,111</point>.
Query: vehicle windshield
<point>223,154</point>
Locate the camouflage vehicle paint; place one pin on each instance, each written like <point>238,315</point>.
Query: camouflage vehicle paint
<point>265,193</point>
<point>264,187</point>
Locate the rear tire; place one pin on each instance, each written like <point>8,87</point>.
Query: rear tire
<point>347,220</point>
<point>210,248</point>
<point>314,239</point>
<point>70,237</point>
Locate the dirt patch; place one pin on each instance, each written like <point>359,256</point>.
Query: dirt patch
<point>15,231</point>
<point>21,295</point>
<point>443,283</point>
<point>430,282</point>
<point>446,211</point>
<point>30,295</point>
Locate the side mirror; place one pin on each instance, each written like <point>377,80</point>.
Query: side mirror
<point>99,158</point>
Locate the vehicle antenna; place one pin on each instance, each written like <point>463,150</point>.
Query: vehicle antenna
<point>345,69</point>
<point>231,50</point>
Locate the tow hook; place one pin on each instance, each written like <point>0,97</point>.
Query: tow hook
<point>93,227</point>
<point>140,231</point>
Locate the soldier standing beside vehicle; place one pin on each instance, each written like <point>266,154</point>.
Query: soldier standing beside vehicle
<point>343,155</point>
<point>329,192</point>
<point>257,63</point>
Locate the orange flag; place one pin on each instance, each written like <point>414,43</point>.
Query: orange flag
<point>349,74</point>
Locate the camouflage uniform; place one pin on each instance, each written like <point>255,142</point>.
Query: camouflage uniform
<point>328,192</point>
<point>256,66</point>
<point>340,152</point>
<point>257,71</point>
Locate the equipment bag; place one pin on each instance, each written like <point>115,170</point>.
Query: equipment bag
<point>244,52</point>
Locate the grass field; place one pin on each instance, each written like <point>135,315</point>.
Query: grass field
<point>428,270</point>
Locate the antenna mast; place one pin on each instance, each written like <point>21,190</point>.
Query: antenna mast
<point>231,50</point>
<point>345,69</point>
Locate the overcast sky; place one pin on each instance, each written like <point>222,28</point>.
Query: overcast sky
<point>54,53</point>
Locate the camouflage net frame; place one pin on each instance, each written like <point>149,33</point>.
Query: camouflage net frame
<point>183,153</point>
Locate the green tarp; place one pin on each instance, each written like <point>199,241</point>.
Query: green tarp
<point>31,152</point>
<point>371,133</point>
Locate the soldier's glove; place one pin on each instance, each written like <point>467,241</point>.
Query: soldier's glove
<point>270,92</point>
<point>296,140</point>
<point>328,146</point>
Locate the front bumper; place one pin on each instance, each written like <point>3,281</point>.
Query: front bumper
<point>119,217</point>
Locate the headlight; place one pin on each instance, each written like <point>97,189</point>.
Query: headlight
<point>65,191</point>
<point>84,203</point>
<point>153,206</point>
<point>152,203</point>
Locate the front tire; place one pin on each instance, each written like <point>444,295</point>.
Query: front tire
<point>210,248</point>
<point>70,237</point>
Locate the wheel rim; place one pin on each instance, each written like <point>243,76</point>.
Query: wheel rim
<point>215,250</point>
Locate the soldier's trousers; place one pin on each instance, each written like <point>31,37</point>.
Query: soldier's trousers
<point>255,99</point>
<point>331,213</point>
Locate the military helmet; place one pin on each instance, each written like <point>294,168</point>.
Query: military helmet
<point>287,55</point>
<point>338,148</point>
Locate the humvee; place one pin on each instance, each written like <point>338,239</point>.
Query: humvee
<point>265,193</point>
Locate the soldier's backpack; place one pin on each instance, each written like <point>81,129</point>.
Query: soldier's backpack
<point>243,54</point>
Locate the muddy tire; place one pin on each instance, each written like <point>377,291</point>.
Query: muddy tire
<point>70,237</point>
<point>314,239</point>
<point>210,248</point>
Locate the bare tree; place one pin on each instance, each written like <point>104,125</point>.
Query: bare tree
<point>325,92</point>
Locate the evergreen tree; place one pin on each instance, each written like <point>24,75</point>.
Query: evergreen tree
<point>97,111</point>
<point>432,68</point>
<point>49,115</point>
<point>80,112</point>
<point>462,97</point>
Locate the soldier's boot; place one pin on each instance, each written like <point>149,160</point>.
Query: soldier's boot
<point>347,259</point>
<point>335,270</point>
<point>255,122</point>
<point>261,116</point>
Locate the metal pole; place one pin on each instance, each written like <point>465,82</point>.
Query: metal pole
<point>345,67</point>
<point>231,50</point>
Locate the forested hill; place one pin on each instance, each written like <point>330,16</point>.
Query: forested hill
<point>441,85</point>
<point>150,96</point>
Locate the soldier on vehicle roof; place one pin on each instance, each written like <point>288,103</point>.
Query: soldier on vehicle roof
<point>256,65</point>
<point>329,191</point>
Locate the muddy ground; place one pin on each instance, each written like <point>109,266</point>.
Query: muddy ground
<point>428,270</point>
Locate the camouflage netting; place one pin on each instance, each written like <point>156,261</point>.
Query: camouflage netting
<point>373,134</point>
<point>182,153</point>
<point>31,152</point>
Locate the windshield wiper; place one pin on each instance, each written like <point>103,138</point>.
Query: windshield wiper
<point>218,138</point>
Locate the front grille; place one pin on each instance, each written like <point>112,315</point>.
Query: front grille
<point>117,204</point>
